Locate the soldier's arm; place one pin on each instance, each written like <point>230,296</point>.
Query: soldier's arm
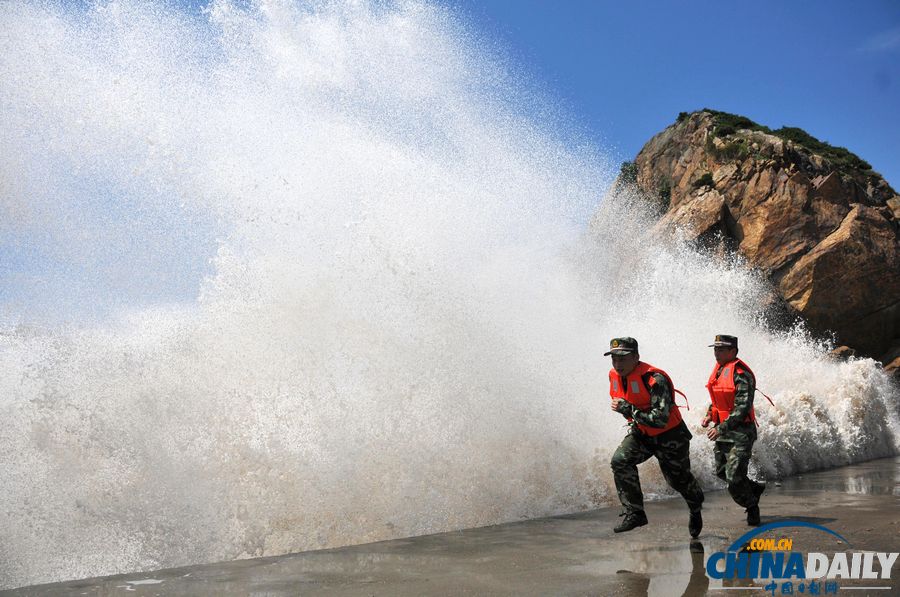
<point>744,386</point>
<point>708,418</point>
<point>660,403</point>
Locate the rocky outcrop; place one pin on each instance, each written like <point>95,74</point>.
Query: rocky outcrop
<point>816,219</point>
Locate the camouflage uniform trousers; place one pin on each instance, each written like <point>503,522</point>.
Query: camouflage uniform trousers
<point>732,454</point>
<point>672,451</point>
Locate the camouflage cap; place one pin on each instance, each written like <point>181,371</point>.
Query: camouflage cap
<point>725,340</point>
<point>620,346</point>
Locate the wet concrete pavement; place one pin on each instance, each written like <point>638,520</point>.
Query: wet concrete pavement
<point>565,555</point>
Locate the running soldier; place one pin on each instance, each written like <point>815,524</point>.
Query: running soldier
<point>731,387</point>
<point>645,396</point>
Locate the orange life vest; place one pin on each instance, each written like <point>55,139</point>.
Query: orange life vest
<point>721,390</point>
<point>637,394</point>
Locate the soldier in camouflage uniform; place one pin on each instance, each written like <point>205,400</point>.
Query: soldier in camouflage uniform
<point>645,396</point>
<point>731,387</point>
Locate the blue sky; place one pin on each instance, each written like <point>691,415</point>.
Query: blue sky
<point>624,70</point>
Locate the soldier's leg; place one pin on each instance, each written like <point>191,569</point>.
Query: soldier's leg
<point>674,456</point>
<point>743,491</point>
<point>720,453</point>
<point>625,459</point>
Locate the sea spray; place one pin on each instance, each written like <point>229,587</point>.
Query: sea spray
<point>292,276</point>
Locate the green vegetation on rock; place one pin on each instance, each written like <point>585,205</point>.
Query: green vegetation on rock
<point>664,191</point>
<point>839,156</point>
<point>725,125</point>
<point>736,149</point>
<point>628,173</point>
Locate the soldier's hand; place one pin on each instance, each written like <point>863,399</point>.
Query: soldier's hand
<point>713,433</point>
<point>617,404</point>
<point>706,421</point>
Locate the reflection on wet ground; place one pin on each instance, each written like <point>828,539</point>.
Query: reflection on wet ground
<point>567,555</point>
<point>868,478</point>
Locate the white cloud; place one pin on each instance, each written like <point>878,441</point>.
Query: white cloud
<point>882,42</point>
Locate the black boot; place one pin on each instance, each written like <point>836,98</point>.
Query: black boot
<point>753,516</point>
<point>632,521</point>
<point>758,489</point>
<point>695,524</point>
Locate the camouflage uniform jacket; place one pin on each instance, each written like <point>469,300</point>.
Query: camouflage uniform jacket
<point>745,388</point>
<point>660,404</point>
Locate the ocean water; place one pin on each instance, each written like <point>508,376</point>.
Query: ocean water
<point>279,276</point>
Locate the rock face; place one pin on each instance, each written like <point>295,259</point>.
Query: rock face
<point>819,222</point>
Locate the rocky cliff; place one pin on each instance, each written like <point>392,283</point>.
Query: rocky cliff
<point>815,218</point>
